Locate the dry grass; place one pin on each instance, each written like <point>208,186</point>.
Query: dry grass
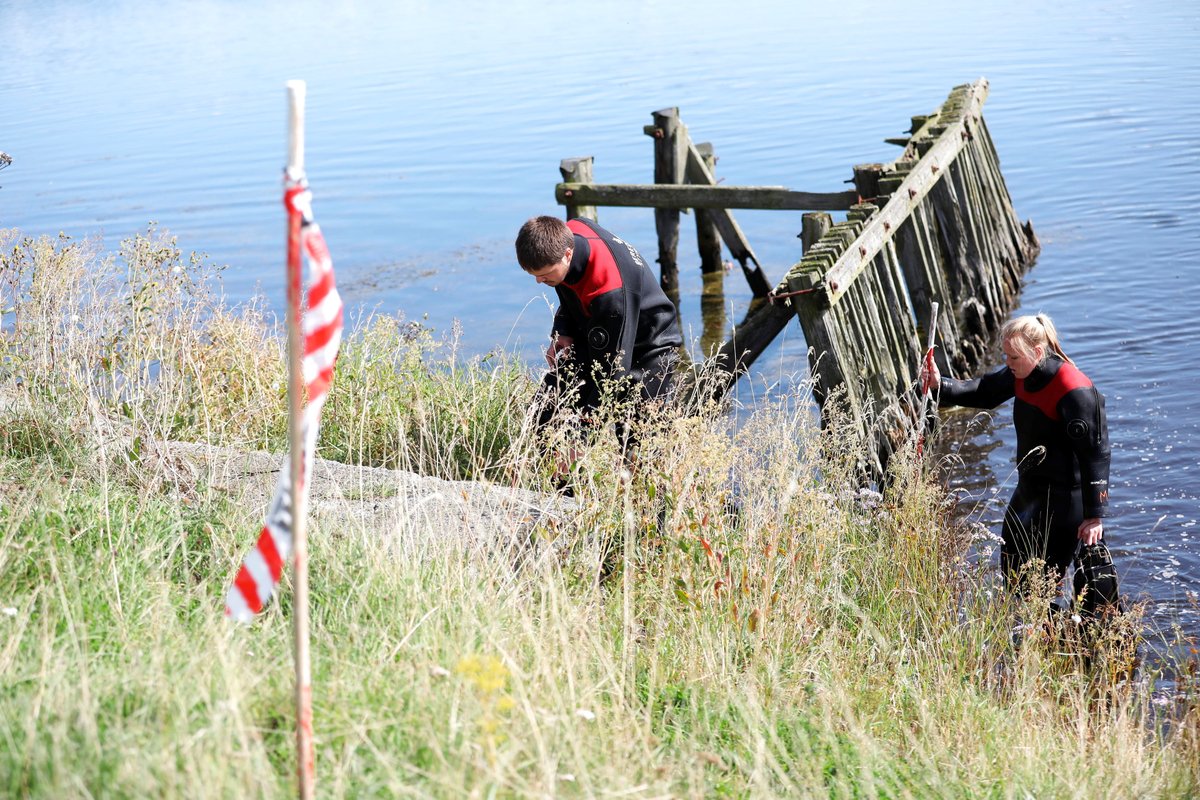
<point>729,616</point>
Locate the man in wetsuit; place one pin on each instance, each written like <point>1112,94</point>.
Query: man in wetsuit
<point>1062,456</point>
<point>614,322</point>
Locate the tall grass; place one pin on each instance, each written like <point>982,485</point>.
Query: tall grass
<point>725,615</point>
<point>146,336</point>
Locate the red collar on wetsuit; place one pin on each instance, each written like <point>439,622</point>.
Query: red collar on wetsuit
<point>593,269</point>
<point>579,260</point>
<point>1048,383</point>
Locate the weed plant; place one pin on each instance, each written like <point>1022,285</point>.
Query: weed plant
<point>725,613</point>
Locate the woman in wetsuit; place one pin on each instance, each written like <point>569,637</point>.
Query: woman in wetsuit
<point>1062,450</point>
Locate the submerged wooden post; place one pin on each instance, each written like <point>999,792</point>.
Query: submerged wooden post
<point>578,170</point>
<point>712,268</point>
<point>708,238</point>
<point>670,142</point>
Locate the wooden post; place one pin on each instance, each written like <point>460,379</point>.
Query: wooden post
<point>708,238</point>
<point>670,137</point>
<point>578,170</point>
<point>866,180</point>
<point>814,225</point>
<point>712,268</point>
<point>305,758</point>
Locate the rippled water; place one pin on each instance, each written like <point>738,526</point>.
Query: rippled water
<point>435,129</point>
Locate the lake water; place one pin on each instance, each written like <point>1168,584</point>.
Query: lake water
<point>435,129</point>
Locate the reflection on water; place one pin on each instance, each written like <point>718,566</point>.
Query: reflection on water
<point>435,129</point>
<point>712,312</point>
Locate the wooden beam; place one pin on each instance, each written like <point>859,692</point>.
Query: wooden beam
<point>667,196</point>
<point>924,176</point>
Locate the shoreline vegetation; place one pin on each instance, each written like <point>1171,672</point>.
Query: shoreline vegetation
<point>730,617</point>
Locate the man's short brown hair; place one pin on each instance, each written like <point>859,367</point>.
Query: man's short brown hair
<point>543,241</point>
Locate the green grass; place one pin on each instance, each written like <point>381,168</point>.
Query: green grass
<point>808,645</point>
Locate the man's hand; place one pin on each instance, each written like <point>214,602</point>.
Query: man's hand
<point>1090,531</point>
<point>556,347</point>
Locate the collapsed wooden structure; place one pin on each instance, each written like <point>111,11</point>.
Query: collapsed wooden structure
<point>934,225</point>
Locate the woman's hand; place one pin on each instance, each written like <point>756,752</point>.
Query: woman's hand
<point>930,376</point>
<point>1090,531</point>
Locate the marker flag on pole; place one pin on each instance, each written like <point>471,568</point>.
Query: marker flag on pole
<point>321,329</point>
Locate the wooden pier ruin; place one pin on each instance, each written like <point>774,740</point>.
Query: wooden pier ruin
<point>936,225</point>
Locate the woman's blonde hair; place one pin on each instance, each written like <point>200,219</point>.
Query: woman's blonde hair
<point>1033,330</point>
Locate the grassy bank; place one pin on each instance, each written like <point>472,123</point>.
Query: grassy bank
<point>763,629</point>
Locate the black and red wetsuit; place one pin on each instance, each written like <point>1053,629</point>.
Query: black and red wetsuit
<point>1062,457</point>
<point>622,322</point>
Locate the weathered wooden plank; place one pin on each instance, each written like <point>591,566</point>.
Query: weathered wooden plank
<point>876,372</point>
<point>981,261</point>
<point>666,196</point>
<point>825,352</point>
<point>1023,238</point>
<point>919,263</point>
<point>906,354</point>
<point>578,170</point>
<point>987,207</point>
<point>1008,236</point>
<point>924,176</point>
<point>995,256</point>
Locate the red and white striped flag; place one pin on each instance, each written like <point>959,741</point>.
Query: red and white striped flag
<point>321,329</point>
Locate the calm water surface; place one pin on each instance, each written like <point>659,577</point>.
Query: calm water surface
<point>435,129</point>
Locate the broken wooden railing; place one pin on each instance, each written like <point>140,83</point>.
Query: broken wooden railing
<point>935,225</point>
<point>939,227</point>
<point>683,174</point>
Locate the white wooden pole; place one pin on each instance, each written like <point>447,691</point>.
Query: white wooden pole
<point>305,754</point>
<point>933,323</point>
